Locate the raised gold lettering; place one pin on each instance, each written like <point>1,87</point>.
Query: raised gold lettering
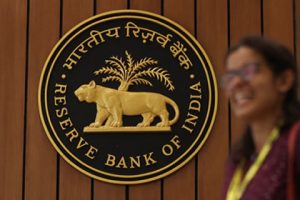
<point>66,123</point>
<point>196,87</point>
<point>59,88</point>
<point>148,159</point>
<point>60,100</point>
<point>61,112</point>
<point>191,120</point>
<point>92,150</point>
<point>195,105</point>
<point>187,128</point>
<point>131,161</point>
<point>175,140</point>
<point>167,150</point>
<point>135,162</point>
<point>81,143</point>
<point>111,160</point>
<point>122,163</point>
<point>73,134</point>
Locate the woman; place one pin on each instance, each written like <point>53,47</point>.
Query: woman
<point>260,81</point>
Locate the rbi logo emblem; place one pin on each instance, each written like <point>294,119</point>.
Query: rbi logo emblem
<point>127,97</point>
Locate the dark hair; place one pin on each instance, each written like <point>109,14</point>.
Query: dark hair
<point>278,59</point>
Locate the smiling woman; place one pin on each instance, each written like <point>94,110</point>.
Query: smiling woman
<point>260,81</point>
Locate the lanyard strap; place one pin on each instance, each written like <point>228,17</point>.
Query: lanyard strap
<point>237,185</point>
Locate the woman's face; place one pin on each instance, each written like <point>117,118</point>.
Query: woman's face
<point>252,88</point>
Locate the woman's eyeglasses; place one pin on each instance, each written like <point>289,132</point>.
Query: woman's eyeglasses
<point>246,73</point>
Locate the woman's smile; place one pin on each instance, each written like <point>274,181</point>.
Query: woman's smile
<point>242,97</point>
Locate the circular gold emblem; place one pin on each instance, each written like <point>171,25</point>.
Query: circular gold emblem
<point>127,97</point>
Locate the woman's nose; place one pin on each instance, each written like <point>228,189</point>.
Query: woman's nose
<point>235,82</point>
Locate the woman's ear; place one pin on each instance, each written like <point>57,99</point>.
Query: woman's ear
<point>285,80</point>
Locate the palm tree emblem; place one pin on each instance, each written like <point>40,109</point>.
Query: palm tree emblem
<point>130,72</point>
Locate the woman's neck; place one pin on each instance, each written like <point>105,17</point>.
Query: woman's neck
<point>261,129</point>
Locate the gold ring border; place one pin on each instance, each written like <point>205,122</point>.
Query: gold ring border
<point>97,170</point>
<point>215,102</point>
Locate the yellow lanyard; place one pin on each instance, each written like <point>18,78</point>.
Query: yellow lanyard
<point>237,185</point>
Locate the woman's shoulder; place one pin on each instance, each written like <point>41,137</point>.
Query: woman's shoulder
<point>291,131</point>
<point>296,139</point>
<point>293,134</point>
<point>293,143</point>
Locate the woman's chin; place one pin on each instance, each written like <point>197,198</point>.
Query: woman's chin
<point>245,113</point>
